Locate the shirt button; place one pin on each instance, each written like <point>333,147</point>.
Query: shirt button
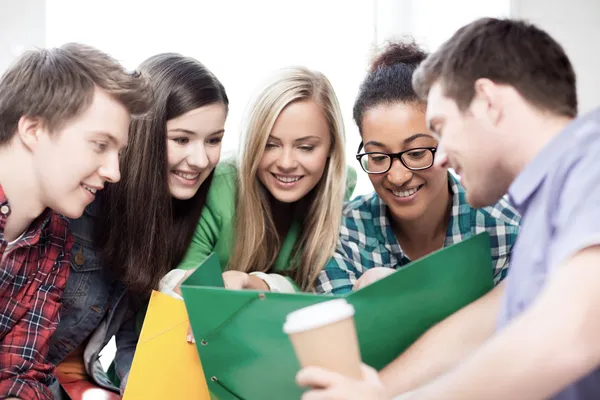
<point>5,209</point>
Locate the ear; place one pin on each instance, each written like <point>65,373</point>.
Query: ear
<point>29,130</point>
<point>487,101</point>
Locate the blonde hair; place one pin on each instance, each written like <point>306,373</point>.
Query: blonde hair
<point>257,243</point>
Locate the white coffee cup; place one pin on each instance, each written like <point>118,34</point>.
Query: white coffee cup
<point>324,335</point>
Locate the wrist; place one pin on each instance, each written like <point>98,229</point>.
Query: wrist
<point>254,282</point>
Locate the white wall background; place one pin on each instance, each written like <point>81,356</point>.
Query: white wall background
<point>22,26</point>
<point>576,25</point>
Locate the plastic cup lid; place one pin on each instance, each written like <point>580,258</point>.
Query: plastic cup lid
<point>317,315</point>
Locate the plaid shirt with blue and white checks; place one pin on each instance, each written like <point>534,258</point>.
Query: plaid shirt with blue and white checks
<point>367,239</point>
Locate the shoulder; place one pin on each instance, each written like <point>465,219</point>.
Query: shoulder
<point>358,216</point>
<point>223,188</point>
<point>360,205</point>
<point>226,173</point>
<point>350,182</point>
<point>500,214</point>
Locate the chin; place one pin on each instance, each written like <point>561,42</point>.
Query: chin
<point>72,213</point>
<point>286,197</point>
<point>477,201</point>
<point>183,196</point>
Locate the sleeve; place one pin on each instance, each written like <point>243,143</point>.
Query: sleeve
<point>25,372</point>
<point>502,262</point>
<point>126,340</point>
<point>214,224</point>
<point>340,273</point>
<point>575,219</point>
<point>277,283</point>
<point>204,240</point>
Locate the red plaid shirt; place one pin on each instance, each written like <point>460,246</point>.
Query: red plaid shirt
<point>33,275</point>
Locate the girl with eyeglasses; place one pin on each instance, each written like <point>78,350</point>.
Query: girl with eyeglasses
<point>417,208</point>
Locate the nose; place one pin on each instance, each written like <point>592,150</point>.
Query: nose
<point>109,170</point>
<point>286,160</point>
<point>197,156</point>
<point>441,158</point>
<point>398,174</point>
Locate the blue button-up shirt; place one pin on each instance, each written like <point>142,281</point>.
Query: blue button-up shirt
<point>558,197</point>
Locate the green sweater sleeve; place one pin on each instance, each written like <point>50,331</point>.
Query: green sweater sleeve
<point>215,227</point>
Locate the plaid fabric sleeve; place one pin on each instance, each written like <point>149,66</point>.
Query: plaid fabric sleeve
<point>341,272</point>
<point>24,369</point>
<point>503,228</point>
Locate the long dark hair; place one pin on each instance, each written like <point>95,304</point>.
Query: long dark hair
<point>144,232</point>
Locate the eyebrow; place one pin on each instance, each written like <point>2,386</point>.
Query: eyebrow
<point>111,138</point>
<point>374,143</point>
<point>188,132</point>
<point>297,140</point>
<point>417,136</point>
<point>405,141</point>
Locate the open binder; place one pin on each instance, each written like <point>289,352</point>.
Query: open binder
<point>246,355</point>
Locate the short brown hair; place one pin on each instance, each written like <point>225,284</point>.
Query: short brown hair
<point>505,51</point>
<point>58,84</point>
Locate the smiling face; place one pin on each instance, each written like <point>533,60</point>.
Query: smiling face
<point>194,148</point>
<point>296,153</point>
<point>471,143</point>
<point>399,127</point>
<point>75,161</point>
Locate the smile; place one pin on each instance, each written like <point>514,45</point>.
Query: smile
<point>187,175</point>
<point>287,179</point>
<point>406,193</point>
<point>90,189</point>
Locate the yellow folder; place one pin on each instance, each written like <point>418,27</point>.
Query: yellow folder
<point>165,366</point>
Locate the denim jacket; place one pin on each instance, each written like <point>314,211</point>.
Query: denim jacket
<point>95,306</point>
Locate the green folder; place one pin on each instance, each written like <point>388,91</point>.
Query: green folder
<point>246,355</point>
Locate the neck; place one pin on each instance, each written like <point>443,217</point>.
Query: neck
<point>16,178</point>
<point>282,215</point>
<point>426,231</point>
<point>533,133</point>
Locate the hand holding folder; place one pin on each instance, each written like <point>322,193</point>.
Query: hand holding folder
<point>247,356</point>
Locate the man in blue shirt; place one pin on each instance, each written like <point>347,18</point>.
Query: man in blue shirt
<point>501,97</point>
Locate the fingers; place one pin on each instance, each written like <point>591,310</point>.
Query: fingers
<point>190,335</point>
<point>317,377</point>
<point>359,283</point>
<point>319,395</point>
<point>369,374</point>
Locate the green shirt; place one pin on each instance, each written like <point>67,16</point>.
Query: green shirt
<point>215,228</point>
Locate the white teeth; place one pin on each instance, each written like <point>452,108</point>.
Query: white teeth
<point>89,189</point>
<point>288,179</point>
<point>186,176</point>
<point>405,193</point>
